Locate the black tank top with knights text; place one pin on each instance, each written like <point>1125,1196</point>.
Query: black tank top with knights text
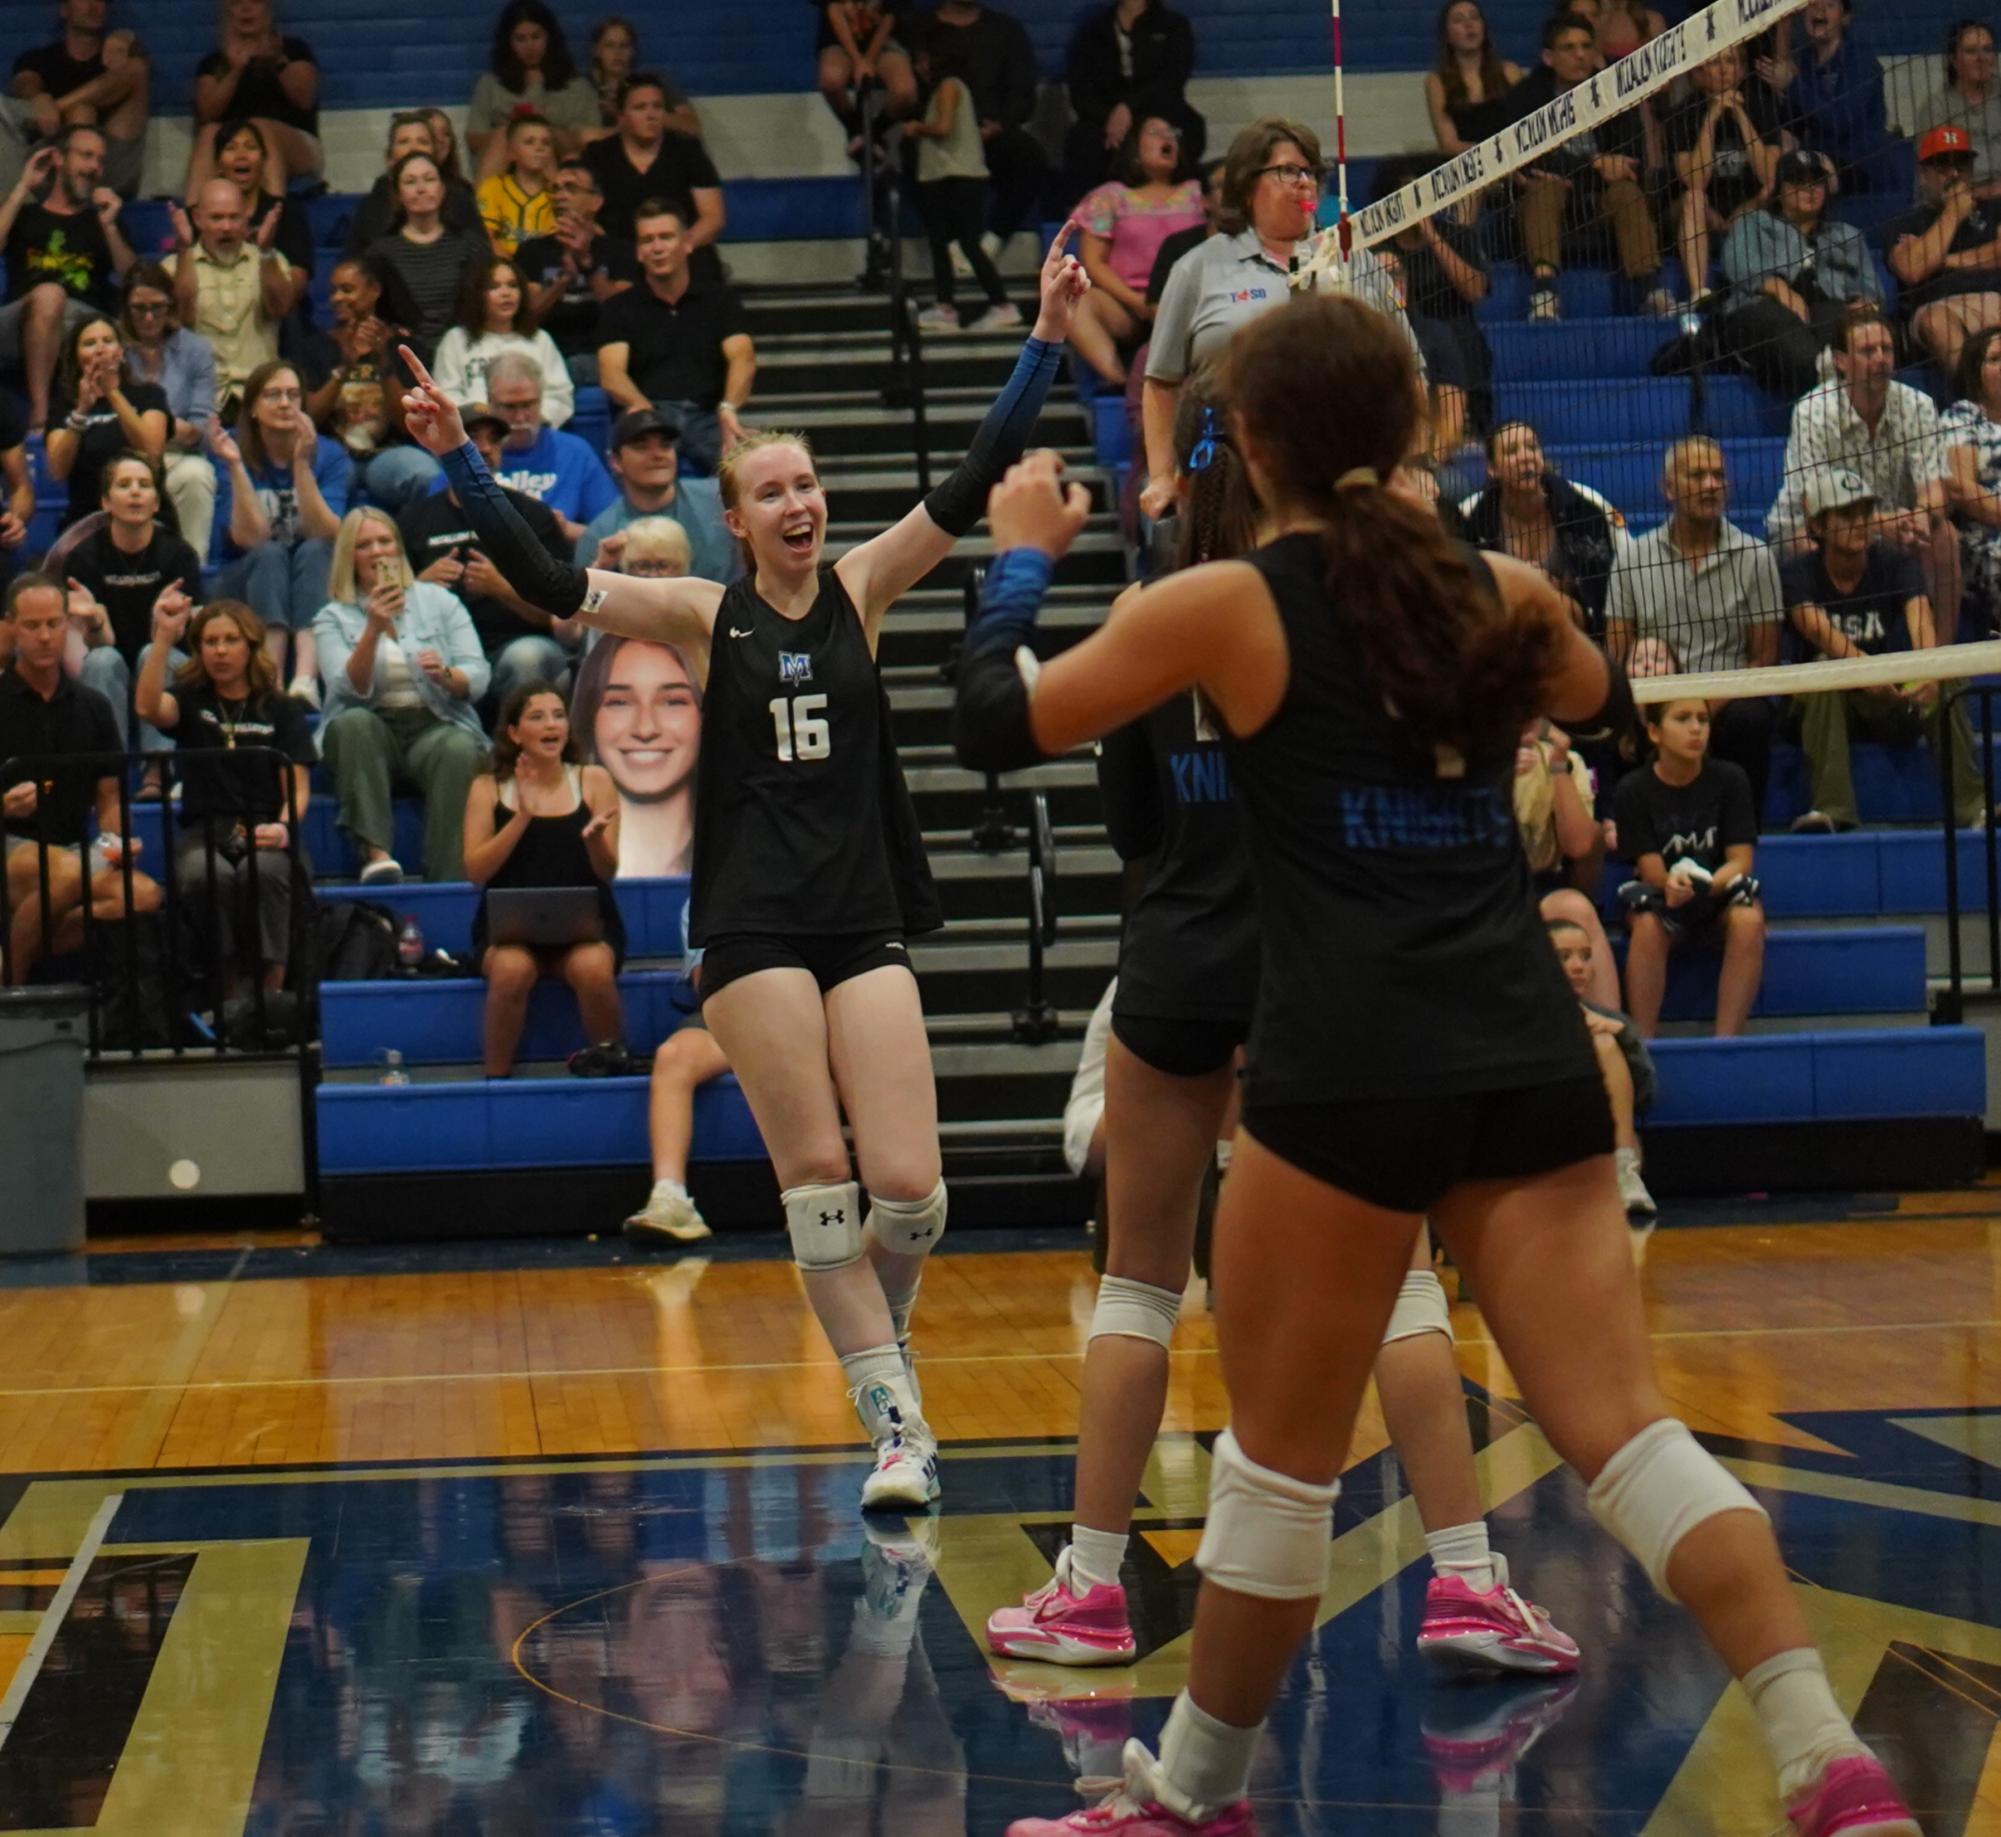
<point>1403,952</point>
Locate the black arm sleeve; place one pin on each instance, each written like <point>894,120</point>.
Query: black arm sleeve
<point>1130,790</point>
<point>990,725</point>
<point>543,581</point>
<point>960,501</point>
<point>1618,716</point>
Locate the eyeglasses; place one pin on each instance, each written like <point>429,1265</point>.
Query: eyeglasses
<point>1293,175</point>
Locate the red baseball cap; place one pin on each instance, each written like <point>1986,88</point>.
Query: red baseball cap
<point>1946,143</point>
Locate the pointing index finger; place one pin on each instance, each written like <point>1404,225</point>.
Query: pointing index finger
<point>1060,246</point>
<point>415,364</point>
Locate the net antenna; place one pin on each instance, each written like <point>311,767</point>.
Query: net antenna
<point>1343,228</point>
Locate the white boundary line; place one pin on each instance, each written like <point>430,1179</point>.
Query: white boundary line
<point>52,1620</point>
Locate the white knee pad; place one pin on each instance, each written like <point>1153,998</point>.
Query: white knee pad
<point>1134,1310</point>
<point>825,1224</point>
<point>1657,1489</point>
<point>1421,1308</point>
<point>1268,1533</point>
<point>910,1227</point>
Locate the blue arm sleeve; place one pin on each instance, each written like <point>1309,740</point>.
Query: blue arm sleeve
<point>508,542</point>
<point>990,724</point>
<point>958,504</point>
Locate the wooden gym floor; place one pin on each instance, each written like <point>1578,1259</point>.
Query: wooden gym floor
<point>561,1538</point>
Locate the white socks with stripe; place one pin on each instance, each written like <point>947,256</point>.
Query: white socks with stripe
<point>1802,1723</point>
<point>1461,1550</point>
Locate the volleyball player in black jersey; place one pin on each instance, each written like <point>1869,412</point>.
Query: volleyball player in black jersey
<point>1187,984</point>
<point>1415,1048</point>
<point>809,871</point>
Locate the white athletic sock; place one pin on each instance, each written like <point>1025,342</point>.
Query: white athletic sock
<point>1461,1550</point>
<point>1803,1725</point>
<point>669,1189</point>
<point>872,1376</point>
<point>1095,1556</point>
<point>1204,1764</point>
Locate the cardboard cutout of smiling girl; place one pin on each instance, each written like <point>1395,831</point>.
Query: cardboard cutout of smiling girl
<point>638,713</point>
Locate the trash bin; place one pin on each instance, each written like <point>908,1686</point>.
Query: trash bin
<point>43,1034</point>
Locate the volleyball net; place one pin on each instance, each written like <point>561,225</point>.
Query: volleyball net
<point>1706,335</point>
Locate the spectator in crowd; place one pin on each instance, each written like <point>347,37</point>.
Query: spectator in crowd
<point>520,202</point>
<point>123,567</point>
<point>17,486</point>
<point>1531,511</point>
<point>684,1061</point>
<point>1210,178</point>
<point>242,157</point>
<point>425,259</point>
<point>1946,254</point>
<point>1560,836</point>
<point>258,74</point>
<point>1868,422</point>
<point>233,859</point>
<point>375,216</point>
<point>231,285</point>
<point>856,48</point>
<point>1271,190</point>
<point>403,669</point>
<point>22,123</point>
<point>1834,100</point>
<point>554,468</point>
<point>646,160</point>
<point>357,391</point>
<point>1466,89</point>
<point>445,145</point>
<point>515,637</point>
<point>1793,271</point>
<point>1129,60</point>
<point>1623,1062</point>
<point>64,253</point>
<point>614,57</point>
<point>93,78</point>
<point>678,342</point>
<point>529,71</point>
<point>1623,26</point>
<point>646,462</point>
<point>44,713</point>
<point>1726,141</point>
<point>1970,431</point>
<point>1688,825</point>
<point>571,273</point>
<point>492,318</point>
<point>1853,596</point>
<point>1969,101</point>
<point>1443,276</point>
<point>1124,224</point>
<point>1589,179</point>
<point>536,818</point>
<point>992,49</point>
<point>639,715</point>
<point>288,488</point>
<point>1701,592</point>
<point>952,196</point>
<point>100,412</point>
<point>162,351</point>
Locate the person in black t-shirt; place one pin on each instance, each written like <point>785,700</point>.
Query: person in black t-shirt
<point>16,482</point>
<point>678,342</point>
<point>100,412</point>
<point>237,814</point>
<point>257,74</point>
<point>1946,254</point>
<point>1686,825</point>
<point>1725,142</point>
<point>643,160</point>
<point>95,79</point>
<point>1850,596</point>
<point>572,274</point>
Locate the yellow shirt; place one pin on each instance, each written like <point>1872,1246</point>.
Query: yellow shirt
<point>512,214</point>
<point>229,313</point>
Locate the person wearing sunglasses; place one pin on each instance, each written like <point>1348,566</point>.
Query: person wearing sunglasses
<point>1271,190</point>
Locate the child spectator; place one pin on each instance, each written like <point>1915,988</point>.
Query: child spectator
<point>100,414</point>
<point>492,319</point>
<point>1687,825</point>
<point>952,194</point>
<point>1623,1062</point>
<point>614,57</point>
<point>685,1060</point>
<point>518,203</point>
<point>1124,223</point>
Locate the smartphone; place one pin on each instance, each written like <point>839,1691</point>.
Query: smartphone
<point>385,571</point>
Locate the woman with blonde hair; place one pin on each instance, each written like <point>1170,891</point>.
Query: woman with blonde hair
<point>403,669</point>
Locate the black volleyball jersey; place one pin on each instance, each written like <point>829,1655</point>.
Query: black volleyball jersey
<point>1190,949</point>
<point>1403,952</point>
<point>798,800</point>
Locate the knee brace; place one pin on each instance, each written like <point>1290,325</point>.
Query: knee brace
<point>910,1227</point>
<point>1134,1310</point>
<point>1657,1489</point>
<point>1268,1533</point>
<point>1421,1308</point>
<point>824,1223</point>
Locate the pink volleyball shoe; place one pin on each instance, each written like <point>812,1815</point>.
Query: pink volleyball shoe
<point>1492,1631</point>
<point>1134,1810</point>
<point>1061,1626</point>
<point>1855,1798</point>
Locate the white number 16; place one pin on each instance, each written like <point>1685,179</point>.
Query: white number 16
<point>802,733</point>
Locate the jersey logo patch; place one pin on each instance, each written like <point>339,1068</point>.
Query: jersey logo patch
<point>795,667</point>
<point>734,633</point>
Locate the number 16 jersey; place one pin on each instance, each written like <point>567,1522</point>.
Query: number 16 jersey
<point>803,823</point>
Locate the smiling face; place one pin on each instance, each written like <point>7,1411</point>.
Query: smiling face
<point>130,496</point>
<point>1869,361</point>
<point>648,729</point>
<point>82,169</point>
<point>543,730</point>
<point>779,509</point>
<point>355,293</point>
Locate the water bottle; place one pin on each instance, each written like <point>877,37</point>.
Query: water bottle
<point>392,1068</point>
<point>410,945</point>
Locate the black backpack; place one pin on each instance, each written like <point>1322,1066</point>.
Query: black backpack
<point>356,943</point>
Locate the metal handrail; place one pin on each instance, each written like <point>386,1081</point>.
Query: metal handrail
<point>906,387</point>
